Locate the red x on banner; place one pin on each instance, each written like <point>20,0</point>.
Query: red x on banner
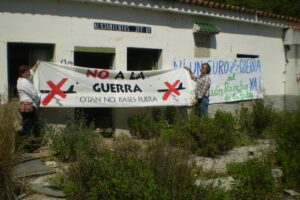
<point>171,88</point>
<point>55,91</point>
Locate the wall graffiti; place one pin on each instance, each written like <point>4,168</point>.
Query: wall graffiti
<point>66,62</point>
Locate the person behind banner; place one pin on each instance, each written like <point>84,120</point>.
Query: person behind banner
<point>29,99</point>
<point>202,88</point>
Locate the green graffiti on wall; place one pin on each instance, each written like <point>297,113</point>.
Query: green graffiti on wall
<point>231,90</point>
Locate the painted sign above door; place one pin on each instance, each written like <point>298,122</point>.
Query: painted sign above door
<point>121,27</point>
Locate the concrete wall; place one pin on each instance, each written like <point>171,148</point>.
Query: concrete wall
<point>292,72</point>
<point>68,24</point>
<point>3,69</point>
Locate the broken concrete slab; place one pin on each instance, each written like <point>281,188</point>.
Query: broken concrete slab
<point>47,191</point>
<point>42,180</point>
<point>32,168</point>
<point>22,159</point>
<point>41,197</point>
<point>291,193</point>
<point>236,155</point>
<point>51,164</point>
<point>224,182</point>
<point>45,153</point>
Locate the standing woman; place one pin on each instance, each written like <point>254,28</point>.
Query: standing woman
<point>29,99</point>
<point>202,88</point>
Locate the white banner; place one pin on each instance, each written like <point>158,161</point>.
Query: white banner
<point>231,79</point>
<point>71,86</point>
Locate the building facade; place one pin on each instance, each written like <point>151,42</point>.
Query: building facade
<point>145,35</point>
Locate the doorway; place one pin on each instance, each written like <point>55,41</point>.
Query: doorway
<point>24,54</point>
<point>102,58</point>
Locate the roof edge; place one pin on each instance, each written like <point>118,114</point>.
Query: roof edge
<point>206,9</point>
<point>239,9</point>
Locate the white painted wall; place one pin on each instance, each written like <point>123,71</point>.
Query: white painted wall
<point>68,24</point>
<point>292,40</point>
<point>293,71</point>
<point>3,69</point>
<point>267,42</point>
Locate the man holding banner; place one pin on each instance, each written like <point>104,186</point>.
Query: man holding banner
<point>202,88</point>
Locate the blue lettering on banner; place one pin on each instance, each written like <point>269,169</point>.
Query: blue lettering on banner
<point>231,79</point>
<point>249,65</point>
<point>220,66</point>
<point>253,84</point>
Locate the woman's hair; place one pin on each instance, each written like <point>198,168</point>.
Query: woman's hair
<point>22,69</point>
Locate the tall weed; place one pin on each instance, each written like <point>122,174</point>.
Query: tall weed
<point>9,120</point>
<point>211,136</point>
<point>287,136</point>
<point>72,140</point>
<point>255,120</point>
<point>253,179</point>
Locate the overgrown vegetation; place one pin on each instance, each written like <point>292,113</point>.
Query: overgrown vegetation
<point>159,167</point>
<point>211,136</point>
<point>128,172</point>
<point>205,136</point>
<point>111,175</point>
<point>253,179</point>
<point>70,140</point>
<point>9,120</point>
<point>287,135</point>
<point>150,126</point>
<point>255,120</point>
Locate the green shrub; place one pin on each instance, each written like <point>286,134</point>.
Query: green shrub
<point>71,140</point>
<point>118,173</point>
<point>170,167</point>
<point>111,177</point>
<point>176,175</point>
<point>257,119</point>
<point>175,114</point>
<point>213,193</point>
<point>58,181</point>
<point>225,124</point>
<point>205,136</point>
<point>128,171</point>
<point>244,120</point>
<point>287,135</point>
<point>224,120</point>
<point>252,179</point>
<point>149,124</point>
<point>146,125</point>
<point>177,136</point>
<point>9,119</point>
<point>262,116</point>
<point>212,136</point>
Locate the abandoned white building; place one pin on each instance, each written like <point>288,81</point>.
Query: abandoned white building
<point>128,34</point>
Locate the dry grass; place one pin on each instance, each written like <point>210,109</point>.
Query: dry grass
<point>9,121</point>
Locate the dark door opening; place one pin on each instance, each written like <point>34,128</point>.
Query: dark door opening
<point>94,60</point>
<point>143,59</point>
<point>24,54</point>
<point>101,117</point>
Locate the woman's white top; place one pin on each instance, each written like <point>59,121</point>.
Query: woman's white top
<point>26,90</point>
